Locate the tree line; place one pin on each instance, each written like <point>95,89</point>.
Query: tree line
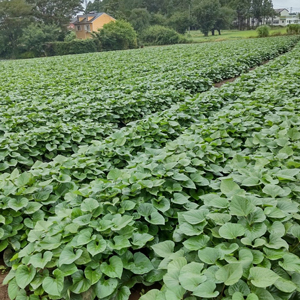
<point>206,15</point>
<point>25,25</point>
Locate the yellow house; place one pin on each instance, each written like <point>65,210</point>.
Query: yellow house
<point>87,23</point>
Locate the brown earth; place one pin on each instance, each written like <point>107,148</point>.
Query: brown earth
<point>3,288</point>
<point>219,84</point>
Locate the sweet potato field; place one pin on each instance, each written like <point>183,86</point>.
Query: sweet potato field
<point>129,167</point>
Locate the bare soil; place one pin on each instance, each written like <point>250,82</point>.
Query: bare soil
<point>219,84</point>
<point>3,288</point>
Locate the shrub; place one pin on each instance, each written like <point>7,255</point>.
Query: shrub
<point>293,29</point>
<point>160,35</point>
<point>72,47</point>
<point>70,36</point>
<point>118,35</point>
<point>263,31</point>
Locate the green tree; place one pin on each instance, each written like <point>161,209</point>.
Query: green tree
<point>225,18</point>
<point>15,15</point>
<point>243,12</point>
<point>118,35</point>
<point>257,10</point>
<point>97,6</point>
<point>55,12</point>
<point>267,10</point>
<point>158,19</point>
<point>139,19</point>
<point>206,14</point>
<point>36,35</point>
<point>179,21</point>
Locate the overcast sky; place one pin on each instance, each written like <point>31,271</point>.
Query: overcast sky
<point>295,4</point>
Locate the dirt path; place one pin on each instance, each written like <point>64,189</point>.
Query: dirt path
<point>219,84</point>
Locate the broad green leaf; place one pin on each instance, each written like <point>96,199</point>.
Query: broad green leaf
<point>230,274</point>
<point>241,206</point>
<point>24,275</point>
<point>89,205</point>
<point>93,275</point>
<point>215,201</point>
<point>68,256</point>
<point>180,177</point>
<point>195,216</point>
<point>151,295</point>
<point>40,262</point>
<point>262,277</point>
<point>272,190</point>
<point>114,268</point>
<point>164,249</point>
<point>13,289</point>
<point>68,270</point>
<point>97,246</point>
<point>140,239</point>
<point>140,265</point>
<point>231,231</point>
<point>180,198</point>
<point>23,179</point>
<point>17,203</point>
<point>80,283</point>
<point>285,286</point>
<point>291,262</point>
<point>209,255</point>
<point>156,218</point>
<point>196,242</point>
<point>123,293</point>
<point>54,286</point>
<point>229,187</point>
<point>206,290</point>
<point>240,287</point>
<point>105,288</point>
<point>252,297</point>
<point>237,296</point>
<point>114,174</point>
<point>190,276</point>
<point>84,236</point>
<point>171,279</point>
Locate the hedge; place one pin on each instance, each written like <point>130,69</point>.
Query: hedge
<point>72,47</point>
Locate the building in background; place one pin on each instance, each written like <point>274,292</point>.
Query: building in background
<point>284,17</point>
<point>87,23</point>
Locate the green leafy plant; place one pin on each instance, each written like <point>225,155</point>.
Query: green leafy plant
<point>263,31</point>
<point>201,198</point>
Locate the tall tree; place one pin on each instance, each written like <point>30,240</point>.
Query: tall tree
<point>206,14</point>
<point>97,6</point>
<point>179,21</point>
<point>267,9</point>
<point>139,19</point>
<point>224,20</point>
<point>243,12</point>
<point>56,12</point>
<point>14,16</point>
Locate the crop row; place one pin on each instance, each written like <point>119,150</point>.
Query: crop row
<point>168,216</point>
<point>54,110</point>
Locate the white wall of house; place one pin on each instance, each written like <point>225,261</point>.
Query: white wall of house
<point>285,18</point>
